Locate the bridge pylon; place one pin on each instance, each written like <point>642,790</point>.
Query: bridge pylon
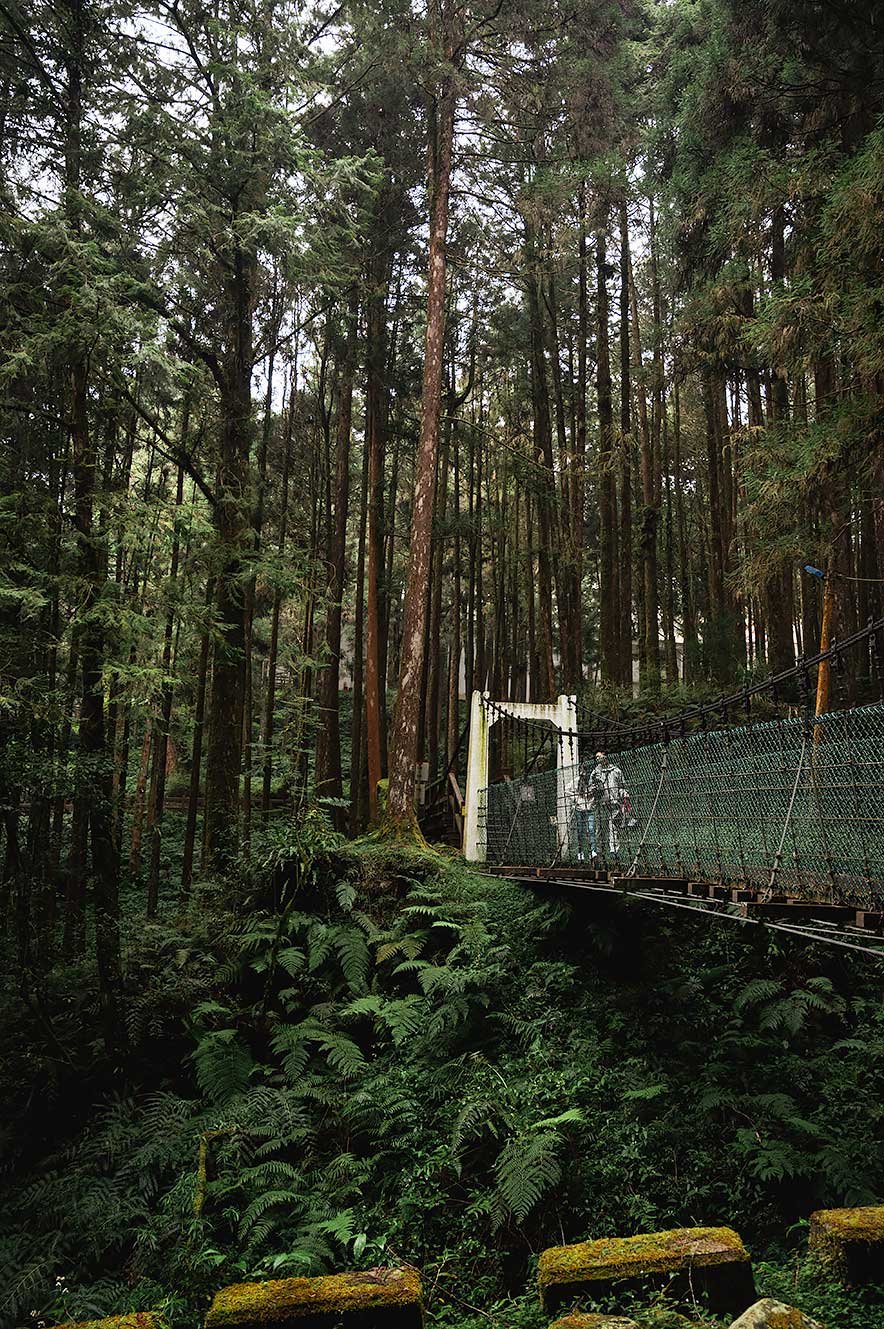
<point>561,714</point>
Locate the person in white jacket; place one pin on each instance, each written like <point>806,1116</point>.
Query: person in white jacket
<point>584,815</point>
<point>609,791</point>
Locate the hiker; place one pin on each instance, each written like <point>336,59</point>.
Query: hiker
<point>609,794</point>
<point>584,815</point>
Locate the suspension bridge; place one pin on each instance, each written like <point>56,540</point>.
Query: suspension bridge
<point>759,807</point>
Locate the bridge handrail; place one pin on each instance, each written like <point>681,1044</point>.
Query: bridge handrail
<point>661,730</point>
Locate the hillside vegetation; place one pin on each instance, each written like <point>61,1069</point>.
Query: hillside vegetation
<point>378,1056</point>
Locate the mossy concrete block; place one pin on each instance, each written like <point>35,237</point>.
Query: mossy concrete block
<point>134,1320</point>
<point>591,1320</point>
<point>772,1314</point>
<point>369,1298</point>
<point>707,1261</point>
<point>850,1241</point>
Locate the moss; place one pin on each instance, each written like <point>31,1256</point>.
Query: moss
<point>135,1320</point>
<point>290,1299</point>
<point>583,1320</point>
<point>863,1224</point>
<point>630,1257</point>
<point>773,1314</point>
<point>848,1242</point>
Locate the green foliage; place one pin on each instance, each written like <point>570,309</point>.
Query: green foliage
<point>798,1280</point>
<point>432,1066</point>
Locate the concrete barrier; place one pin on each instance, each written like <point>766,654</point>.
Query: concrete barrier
<point>850,1241</point>
<point>133,1320</point>
<point>697,1261</point>
<point>366,1299</point>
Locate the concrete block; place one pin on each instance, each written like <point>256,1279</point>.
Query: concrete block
<point>366,1299</point>
<point>850,1241</point>
<point>691,1262</point>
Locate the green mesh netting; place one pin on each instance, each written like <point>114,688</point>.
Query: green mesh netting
<point>716,805</point>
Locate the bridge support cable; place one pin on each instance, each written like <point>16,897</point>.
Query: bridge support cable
<point>664,766</point>
<point>778,856</point>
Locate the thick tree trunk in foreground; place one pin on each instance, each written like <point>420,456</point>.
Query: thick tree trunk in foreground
<point>403,748</point>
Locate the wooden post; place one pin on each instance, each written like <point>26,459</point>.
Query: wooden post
<point>824,674</point>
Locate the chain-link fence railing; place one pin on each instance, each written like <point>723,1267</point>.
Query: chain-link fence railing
<point>793,805</point>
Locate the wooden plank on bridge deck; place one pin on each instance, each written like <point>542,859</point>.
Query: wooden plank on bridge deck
<point>815,910</point>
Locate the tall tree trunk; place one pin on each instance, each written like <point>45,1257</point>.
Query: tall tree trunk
<point>232,523</point>
<point>545,489</point>
<point>358,730</point>
<point>779,590</point>
<point>196,753</point>
<point>609,586</point>
<point>375,674</point>
<point>567,585</point>
<point>267,729</point>
<point>161,744</point>
<point>690,664</point>
<point>96,761</point>
<point>432,723</point>
<point>717,640</point>
<point>403,748</point>
<point>625,632</point>
<point>651,484</point>
<point>329,779</point>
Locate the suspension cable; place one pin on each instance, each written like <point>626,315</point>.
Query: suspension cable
<point>778,856</point>
<point>664,763</point>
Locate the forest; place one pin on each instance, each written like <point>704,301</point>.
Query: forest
<point>354,358</point>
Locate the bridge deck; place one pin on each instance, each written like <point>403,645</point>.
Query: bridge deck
<point>817,920</point>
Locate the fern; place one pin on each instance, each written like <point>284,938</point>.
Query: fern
<point>474,1118</point>
<point>343,1055</point>
<point>404,1018</point>
<point>264,1202</point>
<point>320,940</point>
<point>292,959</point>
<point>760,989</point>
<point>345,893</point>
<point>353,954</point>
<point>290,1043</point>
<point>526,1169</point>
<point>223,1065</point>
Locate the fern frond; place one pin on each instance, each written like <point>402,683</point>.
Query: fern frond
<point>291,1044</point>
<point>223,1065</point>
<point>760,989</point>
<point>472,1119</point>
<point>526,1169</point>
<point>353,954</point>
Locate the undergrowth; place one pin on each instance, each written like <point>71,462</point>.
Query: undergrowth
<point>382,1056</point>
